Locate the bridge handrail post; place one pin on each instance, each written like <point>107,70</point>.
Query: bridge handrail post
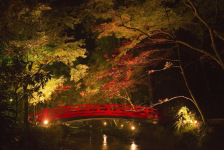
<point>147,112</point>
<point>87,107</point>
<point>157,114</point>
<point>108,108</point>
<point>67,109</point>
<point>46,114</point>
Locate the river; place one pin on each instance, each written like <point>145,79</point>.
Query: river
<point>150,137</point>
<point>98,141</point>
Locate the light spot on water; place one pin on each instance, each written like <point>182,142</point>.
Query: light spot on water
<point>104,142</point>
<point>133,146</point>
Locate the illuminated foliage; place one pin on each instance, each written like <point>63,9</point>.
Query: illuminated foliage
<point>189,131</point>
<point>30,34</point>
<point>186,120</point>
<point>154,22</point>
<point>126,72</point>
<point>41,47</point>
<point>129,39</point>
<point>130,22</point>
<point>79,72</point>
<point>44,93</point>
<point>158,20</point>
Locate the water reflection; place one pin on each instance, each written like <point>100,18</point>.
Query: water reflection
<point>106,145</point>
<point>97,141</point>
<point>105,142</point>
<point>133,146</point>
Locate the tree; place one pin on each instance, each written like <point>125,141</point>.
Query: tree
<point>208,28</point>
<point>126,73</point>
<point>28,31</point>
<point>159,22</point>
<point>149,21</point>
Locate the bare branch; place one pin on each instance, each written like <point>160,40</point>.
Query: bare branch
<point>125,99</point>
<point>198,50</point>
<point>217,34</point>
<point>211,32</point>
<point>187,85</point>
<point>167,100</point>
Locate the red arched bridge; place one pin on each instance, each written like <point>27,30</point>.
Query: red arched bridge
<point>87,111</point>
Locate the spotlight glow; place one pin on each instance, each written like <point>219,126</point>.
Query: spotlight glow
<point>155,122</point>
<point>133,128</point>
<point>45,121</point>
<point>105,123</point>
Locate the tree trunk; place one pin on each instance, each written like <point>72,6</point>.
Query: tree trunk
<point>16,99</point>
<point>25,119</point>
<point>21,112</point>
<point>151,90</point>
<point>34,113</point>
<point>187,85</point>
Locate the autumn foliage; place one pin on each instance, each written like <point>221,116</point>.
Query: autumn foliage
<point>125,72</point>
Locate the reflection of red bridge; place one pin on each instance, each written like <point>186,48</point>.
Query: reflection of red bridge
<point>86,111</point>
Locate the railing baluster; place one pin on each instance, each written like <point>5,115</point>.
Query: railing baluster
<point>87,107</point>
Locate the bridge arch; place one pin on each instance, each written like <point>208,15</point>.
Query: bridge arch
<point>87,111</point>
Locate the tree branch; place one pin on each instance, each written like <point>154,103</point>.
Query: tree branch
<point>199,50</point>
<point>217,34</point>
<point>167,100</point>
<point>125,99</point>
<point>183,43</point>
<point>211,32</point>
<point>135,29</point>
<point>187,85</point>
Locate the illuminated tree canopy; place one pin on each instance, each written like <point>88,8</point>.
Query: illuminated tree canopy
<point>109,51</point>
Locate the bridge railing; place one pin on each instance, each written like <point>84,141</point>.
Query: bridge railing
<point>84,110</point>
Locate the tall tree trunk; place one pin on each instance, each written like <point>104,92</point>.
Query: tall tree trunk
<point>21,112</point>
<point>16,99</point>
<point>25,119</point>
<point>151,90</point>
<point>187,85</point>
